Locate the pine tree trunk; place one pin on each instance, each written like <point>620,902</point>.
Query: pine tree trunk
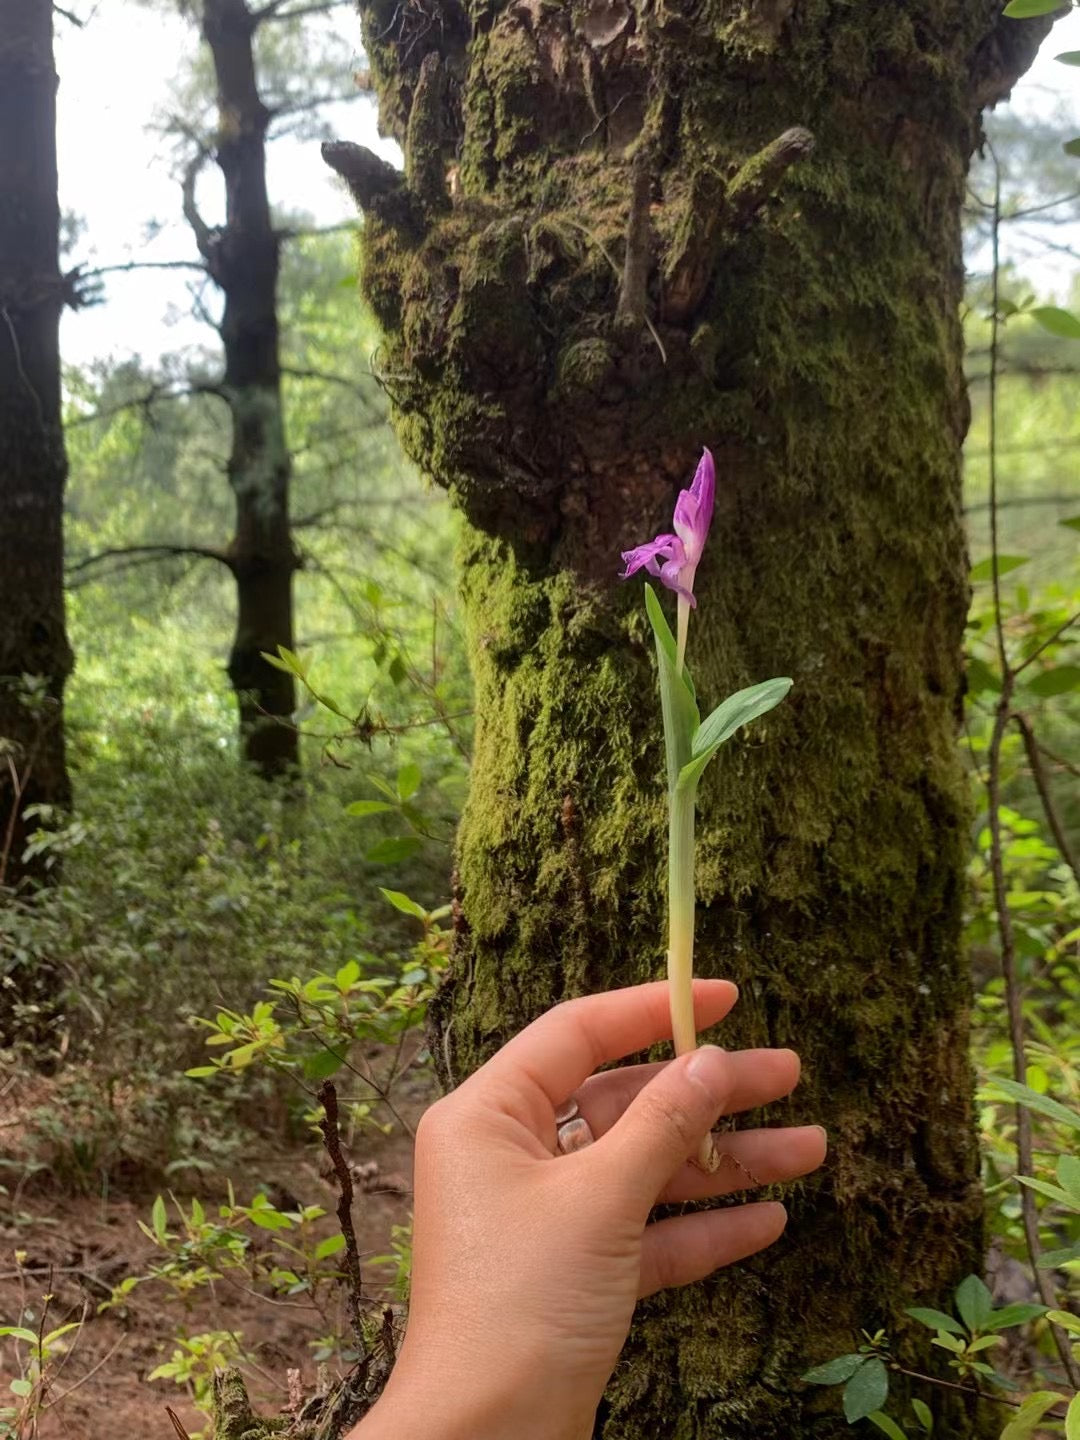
<point>242,257</point>
<point>33,466</point>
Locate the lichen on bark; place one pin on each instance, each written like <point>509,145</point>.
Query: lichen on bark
<point>808,332</point>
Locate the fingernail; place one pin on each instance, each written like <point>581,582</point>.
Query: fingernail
<point>824,1134</point>
<point>700,1061</point>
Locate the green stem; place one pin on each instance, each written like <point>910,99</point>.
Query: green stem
<point>682,625</point>
<point>681,917</point>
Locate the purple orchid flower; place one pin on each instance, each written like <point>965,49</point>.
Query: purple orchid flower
<point>682,551</point>
<point>674,559</point>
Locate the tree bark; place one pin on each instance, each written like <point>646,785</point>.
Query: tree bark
<point>243,257</point>
<point>33,466</point>
<point>563,337</point>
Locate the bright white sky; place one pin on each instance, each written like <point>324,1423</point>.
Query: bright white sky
<point>119,175</point>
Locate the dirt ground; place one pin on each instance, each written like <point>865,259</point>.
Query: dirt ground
<point>77,1249</point>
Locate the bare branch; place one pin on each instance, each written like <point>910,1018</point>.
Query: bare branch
<point>147,555</point>
<point>204,235</point>
<point>140,265</point>
<point>1038,773</point>
<point>274,10</point>
<point>147,401</point>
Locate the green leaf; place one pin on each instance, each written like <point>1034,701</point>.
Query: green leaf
<point>267,1218</point>
<point>22,1388</point>
<point>1062,323</point>
<point>1066,1319</point>
<point>393,851</point>
<point>1052,1192</point>
<point>347,976</point>
<point>1072,1419</point>
<point>866,1391</point>
<point>18,1332</point>
<point>677,702</point>
<point>834,1372</point>
<point>886,1425</point>
<point>984,570</point>
<point>935,1319</point>
<point>1058,681</point>
<point>332,1245</point>
<point>401,902</point>
<point>974,1303</point>
<point>322,1065</point>
<point>408,781</point>
<point>199,1072</point>
<point>1072,147</point>
<point>1028,9</point>
<point>368,807</point>
<point>1010,1315</point>
<point>1023,1095</point>
<point>1073,522</point>
<point>1054,1259</point>
<point>923,1415</point>
<point>734,712</point>
<point>1068,57</point>
<point>159,1220</point>
<point>738,710</point>
<point>981,677</point>
<point>1068,1174</point>
<point>1031,1411</point>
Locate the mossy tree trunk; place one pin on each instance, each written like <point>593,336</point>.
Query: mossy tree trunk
<point>33,466</point>
<point>242,257</point>
<point>614,243</point>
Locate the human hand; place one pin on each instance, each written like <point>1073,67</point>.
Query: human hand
<point>527,1263</point>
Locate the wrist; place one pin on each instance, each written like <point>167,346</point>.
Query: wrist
<point>481,1403</point>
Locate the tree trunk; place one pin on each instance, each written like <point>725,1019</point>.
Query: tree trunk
<point>242,257</point>
<point>604,254</point>
<point>33,466</point>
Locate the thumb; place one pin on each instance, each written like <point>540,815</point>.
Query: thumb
<point>666,1121</point>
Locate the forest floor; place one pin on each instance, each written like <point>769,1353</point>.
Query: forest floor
<point>77,1248</point>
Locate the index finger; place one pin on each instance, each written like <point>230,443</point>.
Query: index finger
<point>565,1045</point>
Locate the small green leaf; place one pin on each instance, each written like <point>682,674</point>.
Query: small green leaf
<point>886,1425</point>
<point>1052,1192</point>
<point>397,670</point>
<point>332,1245</point>
<point>408,781</point>
<point>1023,1095</point>
<point>200,1072</point>
<point>974,1303</point>
<point>923,1415</point>
<point>834,1372</point>
<point>1068,57</point>
<point>1068,1174</point>
<point>1062,323</point>
<point>1072,147</point>
<point>1031,1411</point>
<point>1072,1419</point>
<point>18,1332</point>
<point>267,1218</point>
<point>322,1065</point>
<point>952,1343</point>
<point>1058,681</point>
<point>1054,1259</point>
<point>984,570</point>
<point>866,1391</point>
<point>1028,9</point>
<point>1010,1315</point>
<point>981,677</point>
<point>158,1220</point>
<point>1066,1319</point>
<point>368,807</point>
<point>393,850</point>
<point>402,902</point>
<point>935,1319</point>
<point>22,1388</point>
<point>1073,522</point>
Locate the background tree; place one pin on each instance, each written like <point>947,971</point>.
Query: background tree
<point>610,285</point>
<point>35,658</point>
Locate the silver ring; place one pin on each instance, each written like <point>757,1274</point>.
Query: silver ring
<point>572,1130</point>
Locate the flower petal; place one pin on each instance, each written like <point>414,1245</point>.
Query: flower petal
<point>645,557</point>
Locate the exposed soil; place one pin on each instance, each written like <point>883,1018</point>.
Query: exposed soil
<point>77,1249</point>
